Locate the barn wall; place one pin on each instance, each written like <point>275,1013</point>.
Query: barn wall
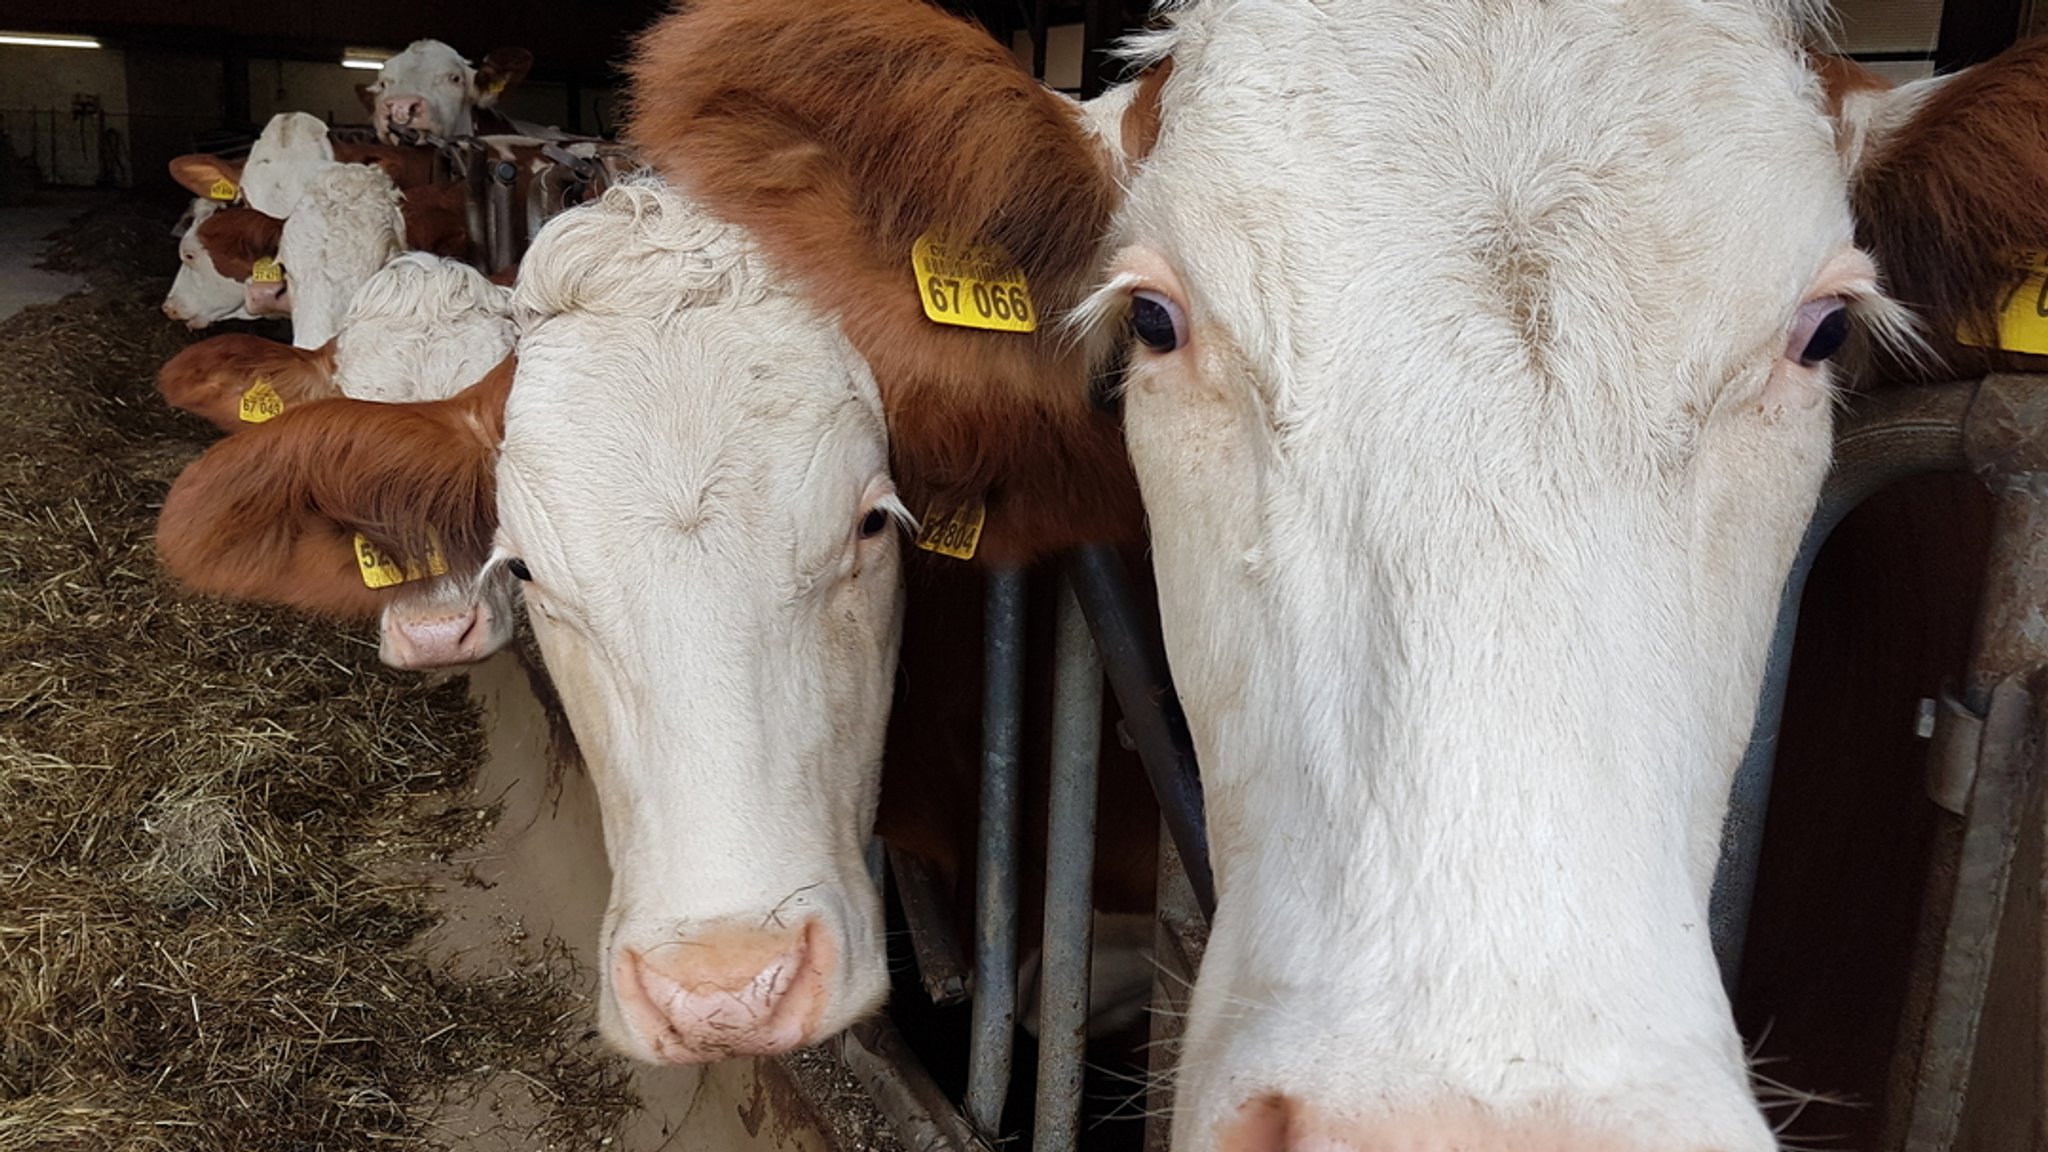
<point>39,89</point>
<point>175,103</point>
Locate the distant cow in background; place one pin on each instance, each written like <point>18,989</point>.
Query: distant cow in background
<point>429,90</point>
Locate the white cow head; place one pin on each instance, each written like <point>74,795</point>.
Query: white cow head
<point>1479,397</point>
<point>694,490</point>
<point>199,294</point>
<point>430,90</point>
<point>292,149</point>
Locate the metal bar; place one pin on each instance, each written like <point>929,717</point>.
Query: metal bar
<point>1068,938</point>
<point>994,1013</point>
<point>504,245</point>
<point>1885,438</point>
<point>916,1107</point>
<point>1135,660</point>
<point>934,943</point>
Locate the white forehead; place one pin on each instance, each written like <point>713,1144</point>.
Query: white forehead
<point>667,386</point>
<point>422,60</point>
<point>1645,185</point>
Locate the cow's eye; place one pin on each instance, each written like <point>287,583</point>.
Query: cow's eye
<point>1819,331</point>
<point>871,525</point>
<point>455,78</point>
<point>518,568</point>
<point>1157,321</point>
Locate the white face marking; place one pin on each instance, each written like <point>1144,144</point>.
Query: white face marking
<point>1472,484</point>
<point>689,460</point>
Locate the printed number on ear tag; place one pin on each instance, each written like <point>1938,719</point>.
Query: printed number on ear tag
<point>223,190</point>
<point>972,286</point>
<point>2023,318</point>
<point>266,271</point>
<point>382,570</point>
<point>954,532</point>
<point>261,404</point>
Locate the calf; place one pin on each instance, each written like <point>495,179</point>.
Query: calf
<point>346,225</point>
<point>201,293</point>
<point>668,386</point>
<point>211,379</point>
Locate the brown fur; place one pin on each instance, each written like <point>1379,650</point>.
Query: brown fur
<point>208,378</point>
<point>408,165</point>
<point>1139,129</point>
<point>1841,78</point>
<point>437,219</point>
<point>1940,201</point>
<point>270,514</point>
<point>197,172</point>
<point>500,71</point>
<point>843,131</point>
<point>235,238</point>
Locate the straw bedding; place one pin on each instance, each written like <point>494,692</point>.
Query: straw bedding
<point>212,816</point>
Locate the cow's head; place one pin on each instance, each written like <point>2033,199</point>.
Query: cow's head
<point>429,90</point>
<point>200,294</point>
<point>1478,415</point>
<point>291,151</point>
<point>692,491</point>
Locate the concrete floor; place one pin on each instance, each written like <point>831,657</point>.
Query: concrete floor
<point>23,231</point>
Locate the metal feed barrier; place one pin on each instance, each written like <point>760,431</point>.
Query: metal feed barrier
<point>1984,770</point>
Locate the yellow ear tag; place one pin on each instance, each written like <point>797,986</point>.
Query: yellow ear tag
<point>954,532</point>
<point>223,190</point>
<point>972,286</point>
<point>384,571</point>
<point>266,271</point>
<point>2023,319</point>
<point>261,403</point>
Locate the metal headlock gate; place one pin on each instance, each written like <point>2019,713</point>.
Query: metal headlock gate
<point>1983,769</point>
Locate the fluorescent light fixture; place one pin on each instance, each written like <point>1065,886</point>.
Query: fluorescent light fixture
<point>368,59</point>
<point>47,40</point>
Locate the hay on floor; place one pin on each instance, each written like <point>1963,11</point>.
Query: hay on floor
<point>207,810</point>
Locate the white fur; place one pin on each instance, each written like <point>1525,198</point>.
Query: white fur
<point>199,294</point>
<point>423,328</point>
<point>1471,498</point>
<point>292,149</point>
<point>345,225</point>
<point>688,453</point>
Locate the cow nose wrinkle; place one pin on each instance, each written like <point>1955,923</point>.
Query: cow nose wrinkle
<point>731,992</point>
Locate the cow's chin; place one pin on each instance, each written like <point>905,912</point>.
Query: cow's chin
<point>694,992</point>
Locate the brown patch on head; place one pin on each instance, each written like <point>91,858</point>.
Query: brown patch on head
<point>235,238</point>
<point>207,379</point>
<point>1942,199</point>
<point>1139,130</point>
<point>844,131</point>
<point>271,514</point>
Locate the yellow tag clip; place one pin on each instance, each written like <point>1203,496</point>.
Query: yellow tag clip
<point>384,571</point>
<point>954,532</point>
<point>972,286</point>
<point>2023,320</point>
<point>223,189</point>
<point>261,404</point>
<point>266,271</point>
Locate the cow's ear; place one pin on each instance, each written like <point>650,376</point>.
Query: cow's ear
<point>500,72</point>
<point>204,174</point>
<point>281,512</point>
<point>1947,176</point>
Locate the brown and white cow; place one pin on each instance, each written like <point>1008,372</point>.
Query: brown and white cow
<point>201,293</point>
<point>1479,395</point>
<point>679,431</point>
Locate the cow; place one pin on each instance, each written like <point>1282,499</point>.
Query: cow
<point>200,293</point>
<point>679,430</point>
<point>1479,391</point>
<point>429,91</point>
<point>346,224</point>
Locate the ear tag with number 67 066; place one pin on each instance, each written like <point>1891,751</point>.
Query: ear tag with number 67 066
<point>972,286</point>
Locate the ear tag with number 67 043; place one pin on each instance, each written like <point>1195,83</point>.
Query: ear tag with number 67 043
<point>972,286</point>
<point>261,403</point>
<point>2023,319</point>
